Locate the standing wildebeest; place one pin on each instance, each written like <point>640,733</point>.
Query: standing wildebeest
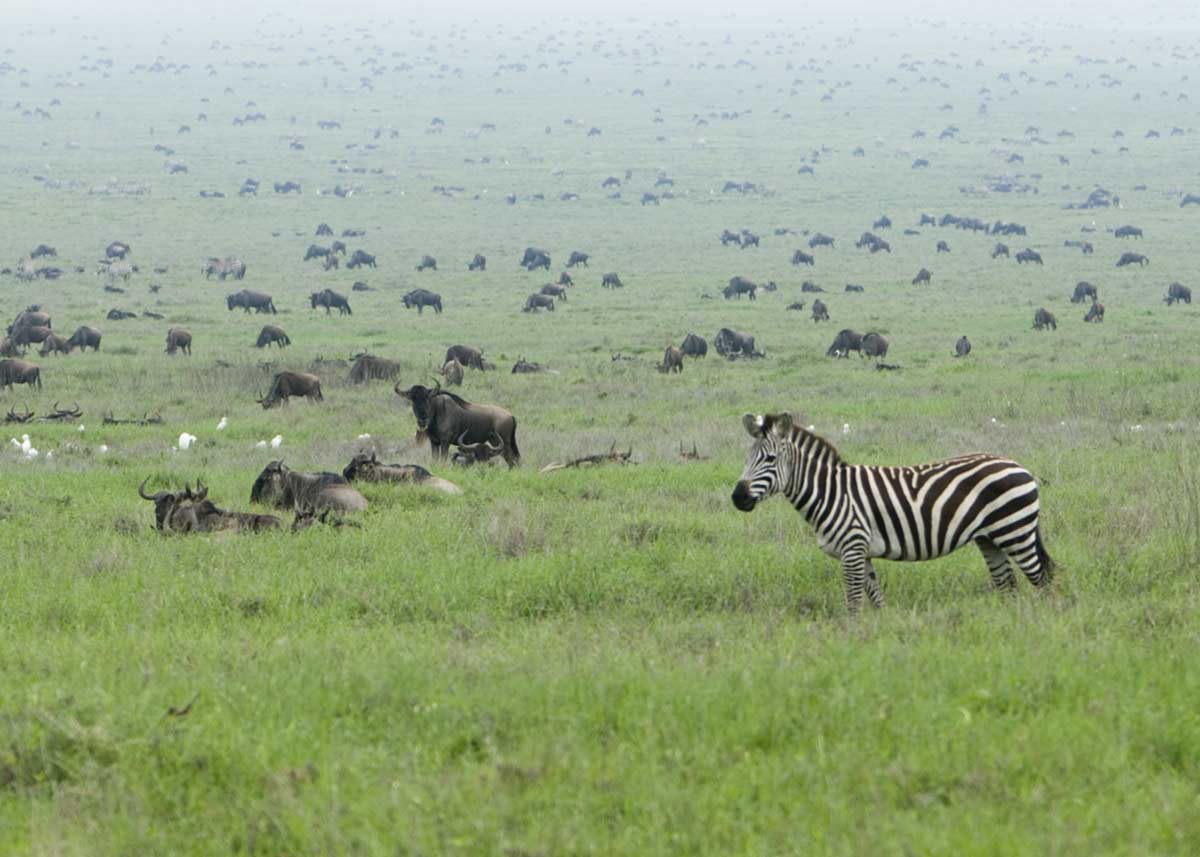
<point>468,356</point>
<point>739,286</point>
<point>272,333</point>
<point>479,263</point>
<point>534,259</point>
<point>1083,291</point>
<point>179,339</point>
<point>427,263</point>
<point>368,367</point>
<point>421,298</point>
<point>1095,312</point>
<point>367,468</point>
<point>361,257</point>
<point>694,346</point>
<point>448,420</point>
<point>452,371</point>
<point>260,302</point>
<point>554,290</point>
<point>117,250</point>
<point>284,488</point>
<point>923,276</point>
<point>538,301</point>
<point>733,343</point>
<point>288,384</point>
<point>1127,232</point>
<point>328,298</point>
<point>819,311</point>
<point>1043,319</point>
<point>315,251</point>
<point>943,247</point>
<point>611,281</point>
<point>1028,255</point>
<point>54,344</point>
<point>1178,292</point>
<point>802,258</point>
<point>875,345</point>
<point>84,338</point>
<point>19,372</point>
<point>577,258</point>
<point>1000,250</point>
<point>672,360</point>
<point>963,347</point>
<point>1129,258</point>
<point>846,341</point>
<point>227,267</point>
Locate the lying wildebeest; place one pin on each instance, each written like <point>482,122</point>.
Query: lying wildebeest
<point>672,360</point>
<point>694,346</point>
<point>223,268</point>
<point>479,263</point>
<point>802,258</point>
<point>368,367</point>
<point>538,301</point>
<point>1028,255</point>
<point>1129,258</point>
<point>735,343</point>
<point>1095,312</point>
<point>287,384</point>
<point>421,298</point>
<point>1178,292</point>
<point>30,318</point>
<point>361,257</point>
<point>119,315</point>
<point>258,301</point>
<point>24,336</point>
<point>1000,250</point>
<point>452,371</point>
<point>272,333</point>
<point>1127,232</point>
<point>923,276</point>
<point>847,340</point>
<point>188,512</point>
<point>84,338</point>
<point>820,312</point>
<point>54,344</point>
<point>468,356</point>
<point>14,371</point>
<point>43,250</point>
<point>1083,291</point>
<point>312,493</point>
<point>739,286</point>
<point>316,251</point>
<point>1043,319</point>
<point>875,345</point>
<point>366,468</point>
<point>611,281</point>
<point>577,258</point>
<point>963,347</point>
<point>179,339</point>
<point>448,420</point>
<point>427,263</point>
<point>329,299</point>
<point>117,250</point>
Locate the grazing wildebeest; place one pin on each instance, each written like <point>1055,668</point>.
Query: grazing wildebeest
<point>427,263</point>
<point>449,420</point>
<point>84,338</point>
<point>421,298</point>
<point>923,276</point>
<point>728,237</point>
<point>479,263</point>
<point>851,287</point>
<point>54,344</point>
<point>468,356</point>
<point>117,250</point>
<point>734,343</point>
<point>1043,319</point>
<point>819,240</point>
<point>963,347</point>
<point>368,367</point>
<point>611,281</point>
<point>312,493</point>
<point>14,371</point>
<point>43,250</point>
<point>1001,250</point>
<point>809,287</point>
<point>367,468</point>
<point>223,268</point>
<point>1083,291</point>
<point>272,333</point>
<point>315,251</point>
<point>943,247</point>
<point>26,335</point>
<point>538,301</point>
<point>1129,258</point>
<point>359,258</point>
<point>672,360</point>
<point>1095,312</point>
<point>328,298</point>
<point>287,384</point>
<point>802,258</point>
<point>847,340</point>
<point>875,345</point>
<point>819,311</point>
<point>179,339</point>
<point>452,371</point>
<point>119,315</point>
<point>739,286</point>
<point>1127,232</point>
<point>578,258</point>
<point>260,302</point>
<point>1028,255</point>
<point>694,346</point>
<point>555,291</point>
<point>1178,292</point>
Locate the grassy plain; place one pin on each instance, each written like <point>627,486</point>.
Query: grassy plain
<point>611,661</point>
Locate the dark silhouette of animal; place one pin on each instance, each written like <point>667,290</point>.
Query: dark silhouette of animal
<point>819,311</point>
<point>1129,258</point>
<point>1043,319</point>
<point>479,263</point>
<point>943,247</point>
<point>554,290</point>
<point>310,493</point>
<point>1178,292</point>
<point>449,420</point>
<point>963,347</point>
<point>223,268</point>
<point>1127,232</point>
<point>1083,291</point>
<point>802,258</point>
<point>420,298</point>
<point>538,301</point>
<point>330,299</point>
<point>84,338</point>
<point>923,276</point>
<point>452,371</point>
<point>260,302</point>
<point>1095,312</point>
<point>1000,250</point>
<point>1028,255</point>
<point>847,340</point>
<point>694,346</point>
<point>875,345</point>
<point>367,468</point>
<point>739,286</point>
<point>179,339</point>
<point>672,360</point>
<point>13,371</point>
<point>272,333</point>
<point>427,263</point>
<point>577,258</point>
<point>287,384</point>
<point>54,344</point>
<point>468,356</point>
<point>360,258</point>
<point>734,343</point>
<point>368,367</point>
<point>611,281</point>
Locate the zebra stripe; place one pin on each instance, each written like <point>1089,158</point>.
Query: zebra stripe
<point>901,513</point>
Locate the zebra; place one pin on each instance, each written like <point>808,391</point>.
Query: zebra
<point>902,513</point>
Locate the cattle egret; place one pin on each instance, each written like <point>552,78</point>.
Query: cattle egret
<point>221,425</point>
<point>276,441</point>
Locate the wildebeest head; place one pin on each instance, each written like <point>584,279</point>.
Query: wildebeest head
<point>269,486</point>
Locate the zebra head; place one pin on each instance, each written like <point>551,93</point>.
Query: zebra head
<point>763,474</point>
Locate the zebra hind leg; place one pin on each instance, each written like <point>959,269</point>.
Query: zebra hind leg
<point>874,589</point>
<point>998,566</point>
<point>854,562</point>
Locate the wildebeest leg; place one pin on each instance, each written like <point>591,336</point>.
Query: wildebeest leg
<point>998,565</point>
<point>874,590</point>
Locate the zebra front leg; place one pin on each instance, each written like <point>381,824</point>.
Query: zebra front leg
<point>874,590</point>
<point>854,563</point>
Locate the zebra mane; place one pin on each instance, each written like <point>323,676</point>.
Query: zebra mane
<point>800,435</point>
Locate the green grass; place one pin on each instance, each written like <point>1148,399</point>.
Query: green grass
<point>607,661</point>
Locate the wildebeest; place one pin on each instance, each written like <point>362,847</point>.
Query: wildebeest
<point>1028,255</point>
<point>479,263</point>
<point>368,367</point>
<point>1127,232</point>
<point>13,371</point>
<point>329,299</point>
<point>361,257</point>
<point>179,339</point>
<point>260,302</point>
<point>1043,319</point>
<point>223,268</point>
<point>452,371</point>
<point>1129,258</point>
<point>1083,291</point>
<point>672,360</point>
<point>117,250</point>
<point>923,276</point>
<point>847,340</point>
<point>538,301</point>
<point>367,468</point>
<point>272,333</point>
<point>287,384</point>
<point>739,286</point>
<point>316,251</point>
<point>943,247</point>
<point>284,488</point>
<point>421,298</point>
<point>1000,250</point>
<point>694,346</point>
<point>54,344</point>
<point>188,512</point>
<point>554,290</point>
<point>963,347</point>
<point>468,356</point>
<point>1178,292</point>
<point>427,263</point>
<point>802,258</point>
<point>449,420</point>
<point>875,345</point>
<point>819,311</point>
<point>1095,312</point>
<point>84,338</point>
<point>611,281</point>
<point>735,343</point>
<point>577,258</point>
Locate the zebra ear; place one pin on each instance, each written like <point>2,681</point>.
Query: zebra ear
<point>781,424</point>
<point>755,425</point>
